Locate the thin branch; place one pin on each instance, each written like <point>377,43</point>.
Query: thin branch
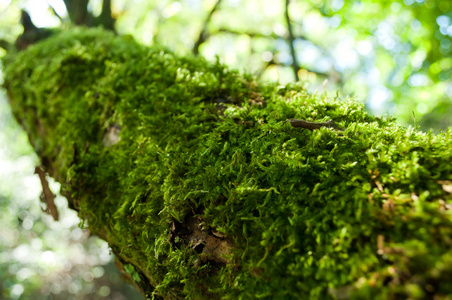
<point>299,123</point>
<point>261,35</point>
<point>275,63</point>
<point>204,35</point>
<point>334,75</point>
<point>250,34</point>
<point>295,66</point>
<point>55,12</point>
<point>47,196</point>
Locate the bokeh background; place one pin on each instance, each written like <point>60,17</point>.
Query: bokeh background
<point>393,56</point>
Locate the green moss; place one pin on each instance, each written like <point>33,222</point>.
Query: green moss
<point>205,160</point>
<point>131,270</point>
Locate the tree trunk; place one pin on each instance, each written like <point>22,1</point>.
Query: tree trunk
<point>203,191</point>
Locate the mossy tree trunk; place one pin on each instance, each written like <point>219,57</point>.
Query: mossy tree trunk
<point>202,189</point>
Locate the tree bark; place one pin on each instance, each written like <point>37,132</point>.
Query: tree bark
<point>188,171</point>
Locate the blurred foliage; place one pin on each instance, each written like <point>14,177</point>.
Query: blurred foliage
<point>394,55</point>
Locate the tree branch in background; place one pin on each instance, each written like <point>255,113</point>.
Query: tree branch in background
<point>79,14</point>
<point>26,22</point>
<point>250,34</point>
<point>77,11</point>
<point>333,75</point>
<point>299,123</point>
<point>47,196</point>
<point>273,62</point>
<point>31,33</point>
<point>204,35</point>
<point>55,12</point>
<point>295,66</point>
<point>105,19</point>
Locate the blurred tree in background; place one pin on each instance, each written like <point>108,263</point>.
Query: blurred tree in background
<point>393,55</point>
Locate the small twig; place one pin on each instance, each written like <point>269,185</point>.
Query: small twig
<point>204,35</point>
<point>55,12</point>
<point>332,75</point>
<point>47,196</point>
<point>313,125</point>
<point>250,34</point>
<point>272,62</point>
<point>295,66</point>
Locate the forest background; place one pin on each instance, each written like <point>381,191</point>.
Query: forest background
<point>394,56</point>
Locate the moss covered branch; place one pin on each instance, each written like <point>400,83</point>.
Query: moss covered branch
<point>186,169</point>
